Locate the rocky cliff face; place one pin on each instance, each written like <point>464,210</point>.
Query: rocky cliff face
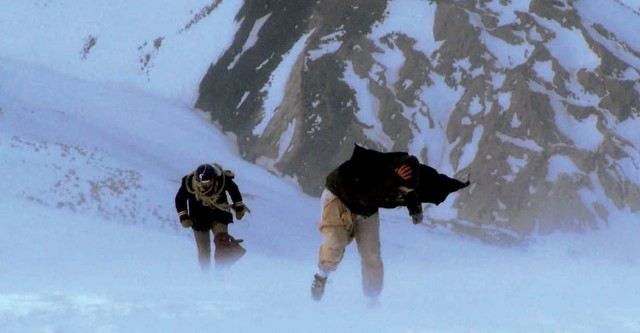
<point>537,100</point>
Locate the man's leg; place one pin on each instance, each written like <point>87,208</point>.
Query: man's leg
<point>203,243</point>
<point>335,241</point>
<point>335,232</point>
<point>219,228</point>
<point>368,242</point>
<point>335,226</point>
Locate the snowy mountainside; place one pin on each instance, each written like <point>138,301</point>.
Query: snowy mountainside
<point>159,46</point>
<point>537,100</point>
<point>89,173</point>
<point>113,152</point>
<point>90,159</point>
<point>59,151</point>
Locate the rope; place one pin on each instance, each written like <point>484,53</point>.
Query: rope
<point>209,200</point>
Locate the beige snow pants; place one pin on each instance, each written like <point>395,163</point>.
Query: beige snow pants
<point>339,226</point>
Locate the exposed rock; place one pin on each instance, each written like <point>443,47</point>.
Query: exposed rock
<point>500,96</point>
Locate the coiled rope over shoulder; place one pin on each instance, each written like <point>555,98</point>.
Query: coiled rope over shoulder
<point>209,198</point>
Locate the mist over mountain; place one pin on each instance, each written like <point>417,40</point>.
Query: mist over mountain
<point>97,126</point>
<point>536,100</point>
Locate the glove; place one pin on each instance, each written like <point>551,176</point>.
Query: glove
<point>240,209</point>
<point>186,223</point>
<point>417,218</point>
<point>185,220</point>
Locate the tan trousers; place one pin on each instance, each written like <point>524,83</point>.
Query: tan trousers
<point>339,226</point>
<point>203,243</point>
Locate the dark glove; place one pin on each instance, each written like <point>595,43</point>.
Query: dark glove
<point>240,209</point>
<point>417,218</point>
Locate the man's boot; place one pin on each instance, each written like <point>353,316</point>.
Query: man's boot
<point>317,287</point>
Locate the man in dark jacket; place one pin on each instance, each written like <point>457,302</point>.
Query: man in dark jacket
<point>202,204</point>
<point>355,191</point>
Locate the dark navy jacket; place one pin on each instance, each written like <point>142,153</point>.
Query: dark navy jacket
<point>201,215</point>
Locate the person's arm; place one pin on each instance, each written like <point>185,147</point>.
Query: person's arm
<point>182,205</point>
<point>233,190</point>
<point>236,197</point>
<point>181,199</point>
<point>409,172</point>
<point>414,206</point>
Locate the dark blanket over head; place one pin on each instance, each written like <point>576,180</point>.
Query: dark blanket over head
<point>372,161</point>
<point>433,187</point>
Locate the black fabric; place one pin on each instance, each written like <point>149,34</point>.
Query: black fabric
<point>368,181</point>
<point>434,187</point>
<point>373,160</point>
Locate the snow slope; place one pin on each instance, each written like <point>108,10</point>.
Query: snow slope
<point>89,239</point>
<point>147,44</point>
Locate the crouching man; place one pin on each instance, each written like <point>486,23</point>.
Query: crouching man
<point>202,205</point>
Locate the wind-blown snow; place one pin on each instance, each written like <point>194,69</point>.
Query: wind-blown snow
<point>90,240</point>
<point>81,266</point>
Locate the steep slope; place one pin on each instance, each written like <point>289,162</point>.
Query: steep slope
<point>159,46</point>
<point>537,100</point>
<point>88,179</point>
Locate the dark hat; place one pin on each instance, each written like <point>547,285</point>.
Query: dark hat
<point>207,172</point>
